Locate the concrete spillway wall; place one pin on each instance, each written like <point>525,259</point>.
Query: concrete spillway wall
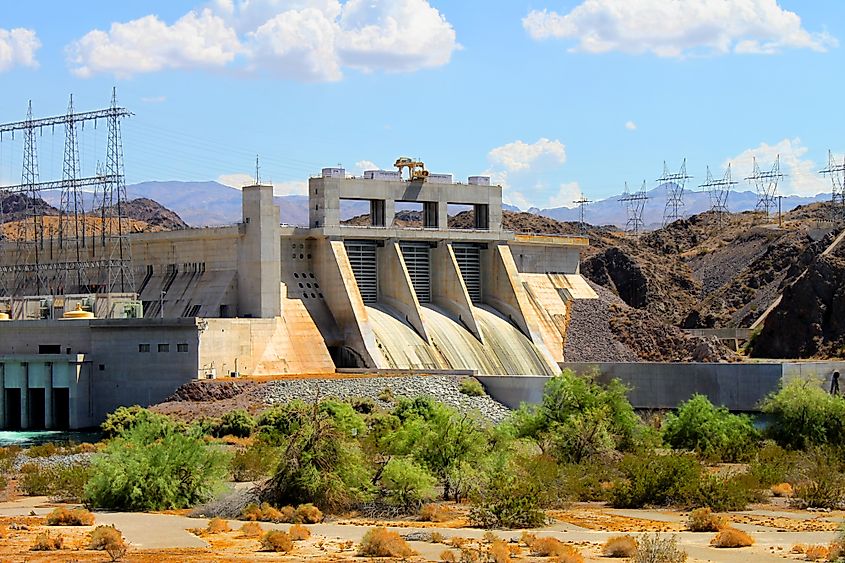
<point>739,387</point>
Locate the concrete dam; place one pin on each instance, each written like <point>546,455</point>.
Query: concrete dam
<point>263,298</point>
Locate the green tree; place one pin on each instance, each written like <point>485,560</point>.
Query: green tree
<point>803,415</point>
<point>237,422</point>
<point>710,431</point>
<point>126,418</point>
<point>152,466</point>
<point>407,483</point>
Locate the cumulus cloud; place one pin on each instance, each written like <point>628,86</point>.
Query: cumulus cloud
<point>307,40</point>
<point>520,155</point>
<point>17,48</point>
<point>363,165</point>
<point>630,126</point>
<point>566,196</point>
<point>238,180</point>
<point>801,175</point>
<point>678,28</point>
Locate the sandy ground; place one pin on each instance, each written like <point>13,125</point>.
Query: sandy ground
<point>165,538</point>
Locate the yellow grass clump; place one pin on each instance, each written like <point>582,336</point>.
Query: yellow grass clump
<point>731,537</point>
<point>703,520</point>
<point>436,513</point>
<point>63,516</point>
<point>381,542</point>
<point>498,552</point>
<point>252,530</point>
<point>448,556</point>
<point>818,553</point>
<point>620,546</point>
<point>782,490</point>
<point>298,532</point>
<point>45,541</point>
<point>277,541</point>
<point>217,526</point>
<point>307,514</point>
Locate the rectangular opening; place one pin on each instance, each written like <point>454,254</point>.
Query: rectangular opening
<point>143,348</point>
<point>61,408</point>
<point>182,347</point>
<point>461,216</point>
<point>417,256</point>
<point>355,212</point>
<point>164,347</point>
<point>49,348</point>
<point>409,214</point>
<point>37,410</point>
<point>13,409</point>
<point>362,258</point>
<point>468,257</point>
<point>377,217</point>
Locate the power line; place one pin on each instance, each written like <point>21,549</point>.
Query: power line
<point>719,190</point>
<point>836,172</point>
<point>766,185</point>
<point>634,206</point>
<point>675,184</point>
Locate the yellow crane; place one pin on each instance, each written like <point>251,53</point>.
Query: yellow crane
<point>416,169</point>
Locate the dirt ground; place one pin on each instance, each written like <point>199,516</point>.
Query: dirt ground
<point>168,537</point>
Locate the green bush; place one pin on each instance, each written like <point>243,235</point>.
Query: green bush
<point>124,419</point>
<point>660,480</point>
<point>821,481</point>
<point>62,483</point>
<point>710,431</point>
<point>508,500</point>
<point>155,467</point>
<point>803,415</point>
<point>471,387</point>
<point>772,465</point>
<point>255,462</point>
<point>237,422</point>
<point>406,483</point>
<point>580,419</point>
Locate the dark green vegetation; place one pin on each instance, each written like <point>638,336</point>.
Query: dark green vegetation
<point>584,442</point>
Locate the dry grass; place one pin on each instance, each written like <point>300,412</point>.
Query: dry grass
<point>657,548</point>
<point>448,556</point>
<point>527,538</point>
<point>782,490</point>
<point>817,553</point>
<point>276,541</point>
<point>435,513</point>
<point>620,546</point>
<point>731,537</point>
<point>498,552</point>
<point>437,537</point>
<point>458,541</point>
<point>703,520</point>
<point>217,526</point>
<point>63,516</point>
<point>553,547</point>
<point>298,532</point>
<point>108,539</point>
<point>307,514</point>
<point>267,513</point>
<point>45,541</point>
<point>252,530</point>
<point>381,542</point>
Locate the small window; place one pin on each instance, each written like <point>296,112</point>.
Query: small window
<point>182,347</point>
<point>143,348</point>
<point>164,347</point>
<point>102,367</point>
<point>49,348</point>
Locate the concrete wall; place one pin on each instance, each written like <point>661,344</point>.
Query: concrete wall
<point>259,277</point>
<point>739,387</point>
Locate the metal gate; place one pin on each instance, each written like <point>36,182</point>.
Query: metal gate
<point>469,262</point>
<point>362,258</point>
<point>418,261</point>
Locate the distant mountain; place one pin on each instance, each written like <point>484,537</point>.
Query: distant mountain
<point>611,211</point>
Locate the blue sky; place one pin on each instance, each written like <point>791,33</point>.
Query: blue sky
<point>553,98</point>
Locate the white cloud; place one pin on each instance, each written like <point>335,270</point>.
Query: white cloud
<point>239,180</point>
<point>677,28</point>
<point>18,47</point>
<point>519,155</point>
<point>154,99</point>
<point>566,195</point>
<point>363,165</point>
<point>801,175</point>
<point>630,126</point>
<point>308,40</point>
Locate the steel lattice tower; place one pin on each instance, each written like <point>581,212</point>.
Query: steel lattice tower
<point>582,202</point>
<point>836,172</point>
<point>675,185</point>
<point>120,275</point>
<point>635,205</point>
<point>766,185</point>
<point>718,190</point>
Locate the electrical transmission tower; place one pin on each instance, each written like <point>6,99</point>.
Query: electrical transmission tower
<point>675,185</point>
<point>766,185</point>
<point>582,203</point>
<point>836,172</point>
<point>635,205</point>
<point>718,190</point>
<point>68,260</point>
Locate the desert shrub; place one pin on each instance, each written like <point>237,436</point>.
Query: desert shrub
<point>821,481</point>
<point>108,539</point>
<point>236,422</point>
<point>724,493</point>
<point>703,520</point>
<point>63,516</point>
<point>252,530</point>
<point>436,513</point>
<point>731,537</point>
<point>217,526</point>
<point>62,483</point>
<point>803,414</point>
<point>579,419</point>
<point>386,395</point>
<point>818,553</point>
<point>508,500</point>
<point>298,532</point>
<point>251,512</point>
<point>124,419</point>
<point>154,467</point>
<point>772,464</point>
<point>498,552</point>
<point>569,555</point>
<point>655,480</point>
<point>586,481</point>
<point>381,542</point>
<point>268,513</point>
<point>782,490</point>
<point>307,514</point>
<point>553,547</point>
<point>471,387</point>
<point>710,431</point>
<point>277,541</point>
<point>619,546</point>
<point>657,548</point>
<point>254,462</point>
<point>407,483</point>
<point>43,450</point>
<point>320,460</point>
<point>448,556</point>
<point>836,550</point>
<point>45,541</point>
<point>8,455</point>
